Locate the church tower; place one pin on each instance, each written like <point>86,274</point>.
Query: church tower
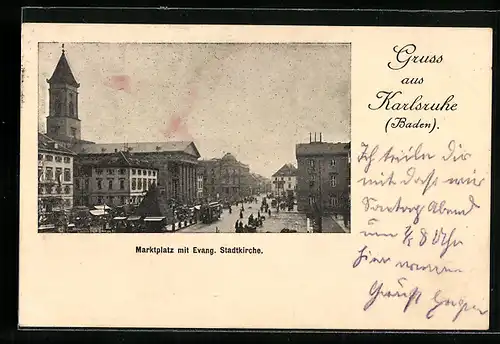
<point>62,122</point>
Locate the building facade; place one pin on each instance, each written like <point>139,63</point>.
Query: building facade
<point>113,180</point>
<point>200,194</point>
<point>55,175</point>
<point>176,162</point>
<point>226,179</point>
<point>323,178</point>
<point>284,181</point>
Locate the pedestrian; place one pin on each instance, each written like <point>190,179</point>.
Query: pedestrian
<point>241,214</point>
<point>269,212</point>
<point>217,229</point>
<point>237,224</point>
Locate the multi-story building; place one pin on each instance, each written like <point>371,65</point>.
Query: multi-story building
<point>55,175</point>
<point>323,178</point>
<point>117,179</point>
<point>284,181</point>
<point>226,179</point>
<point>176,162</point>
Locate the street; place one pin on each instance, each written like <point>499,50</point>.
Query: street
<point>273,224</point>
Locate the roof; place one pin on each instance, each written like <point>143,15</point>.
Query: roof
<point>47,144</point>
<point>62,74</point>
<point>122,159</point>
<point>154,204</point>
<point>319,148</point>
<point>187,147</point>
<point>287,170</point>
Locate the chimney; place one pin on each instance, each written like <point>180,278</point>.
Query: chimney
<point>310,137</point>
<point>320,137</point>
<point>315,139</point>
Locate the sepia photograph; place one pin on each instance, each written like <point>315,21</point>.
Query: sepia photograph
<point>194,138</point>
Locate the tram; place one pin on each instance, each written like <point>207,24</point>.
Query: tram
<point>211,212</point>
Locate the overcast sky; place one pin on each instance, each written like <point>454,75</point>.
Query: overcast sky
<point>254,100</point>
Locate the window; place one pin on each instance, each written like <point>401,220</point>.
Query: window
<point>71,108</point>
<point>110,171</point>
<point>99,199</point>
<point>67,175</point>
<point>139,172</point>
<point>133,171</point>
<point>40,156</point>
<point>98,171</point>
<point>334,201</point>
<point>111,199</point>
<point>122,171</point>
<point>58,189</point>
<point>122,199</point>
<point>154,173</point>
<point>49,157</point>
<point>77,183</point>
<point>149,173</point>
<point>312,200</point>
<point>67,160</point>
<point>49,189</point>
<point>99,184</point>
<point>311,163</point>
<point>282,178</point>
<point>110,184</point>
<point>122,184</point>
<point>145,183</point>
<point>289,178</point>
<point>58,158</point>
<point>86,184</point>
<point>139,184</point>
<point>134,184</point>
<point>276,179</point>
<point>289,185</point>
<point>144,172</point>
<point>40,174</point>
<point>67,189</point>
<point>58,174</point>
<point>40,190</point>
<point>333,180</point>
<point>332,163</point>
<point>134,199</point>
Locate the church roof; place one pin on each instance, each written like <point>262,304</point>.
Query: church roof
<point>287,170</point>
<point>187,147</point>
<point>62,74</point>
<point>122,159</point>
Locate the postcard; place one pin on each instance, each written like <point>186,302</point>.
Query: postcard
<point>218,176</point>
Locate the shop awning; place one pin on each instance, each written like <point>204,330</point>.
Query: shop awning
<point>102,207</point>
<point>154,219</point>
<point>44,227</point>
<point>98,212</point>
<point>119,218</point>
<point>133,218</point>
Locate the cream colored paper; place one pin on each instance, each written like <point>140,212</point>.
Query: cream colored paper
<point>301,280</point>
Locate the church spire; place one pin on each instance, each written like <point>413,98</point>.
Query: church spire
<point>63,74</point>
